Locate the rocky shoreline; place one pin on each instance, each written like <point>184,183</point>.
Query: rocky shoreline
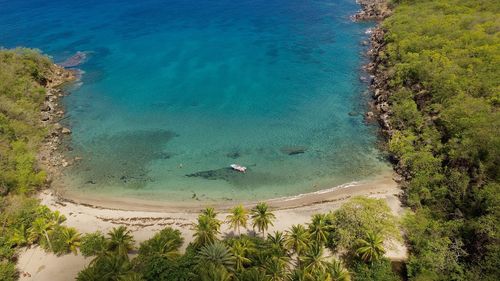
<point>51,112</point>
<point>379,86</point>
<point>373,10</point>
<point>378,10</point>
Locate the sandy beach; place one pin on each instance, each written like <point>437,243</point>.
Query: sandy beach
<point>146,219</point>
<point>376,183</point>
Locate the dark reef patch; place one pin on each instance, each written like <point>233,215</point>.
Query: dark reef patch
<point>293,150</point>
<point>233,154</point>
<point>218,174</point>
<point>250,179</point>
<point>109,157</point>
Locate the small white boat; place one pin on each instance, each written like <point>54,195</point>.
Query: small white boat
<point>238,168</point>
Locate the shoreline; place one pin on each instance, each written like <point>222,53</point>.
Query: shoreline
<point>50,156</point>
<point>144,224</point>
<point>379,183</point>
<point>53,160</point>
<point>146,217</point>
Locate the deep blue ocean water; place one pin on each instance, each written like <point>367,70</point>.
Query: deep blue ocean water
<point>175,91</point>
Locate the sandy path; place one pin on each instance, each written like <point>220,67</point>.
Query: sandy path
<point>144,224</point>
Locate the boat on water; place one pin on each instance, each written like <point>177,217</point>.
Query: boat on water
<point>238,168</point>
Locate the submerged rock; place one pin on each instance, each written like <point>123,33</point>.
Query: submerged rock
<point>293,150</point>
<point>74,60</point>
<point>233,155</point>
<point>163,155</point>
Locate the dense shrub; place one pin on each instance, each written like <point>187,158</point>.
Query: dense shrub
<point>93,244</point>
<point>8,271</point>
<point>22,74</point>
<point>442,58</point>
<point>377,271</point>
<point>357,217</point>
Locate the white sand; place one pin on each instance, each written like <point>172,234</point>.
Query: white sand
<point>144,224</point>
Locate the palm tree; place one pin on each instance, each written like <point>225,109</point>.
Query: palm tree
<point>253,274</point>
<point>299,275</point>
<point>216,254</point>
<point>120,241</point>
<point>318,228</point>
<point>313,260</point>
<point>262,217</point>
<point>337,272</point>
<point>240,252</point>
<point>57,217</point>
<point>276,242</point>
<point>214,273</point>
<point>89,273</point>
<point>40,228</point>
<point>166,243</point>
<point>370,249</point>
<point>297,239</point>
<point>276,269</point>
<point>206,230</point>
<point>237,218</point>
<point>248,244</point>
<point>108,267</point>
<point>71,239</point>
<point>20,236</point>
<point>112,267</point>
<point>209,212</point>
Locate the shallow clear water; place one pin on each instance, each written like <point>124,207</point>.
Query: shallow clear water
<point>173,92</point>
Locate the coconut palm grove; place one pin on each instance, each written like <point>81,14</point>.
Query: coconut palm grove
<point>328,248</point>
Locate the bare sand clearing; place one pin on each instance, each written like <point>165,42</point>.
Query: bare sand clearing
<point>145,220</point>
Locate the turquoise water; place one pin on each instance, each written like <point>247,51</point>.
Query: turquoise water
<point>173,92</point>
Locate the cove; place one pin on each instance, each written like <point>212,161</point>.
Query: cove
<point>173,92</point>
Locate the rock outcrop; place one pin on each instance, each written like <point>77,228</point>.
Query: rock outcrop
<point>373,10</point>
<point>50,113</point>
<point>377,10</point>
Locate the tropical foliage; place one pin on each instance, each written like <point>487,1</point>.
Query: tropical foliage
<point>237,218</point>
<point>296,254</point>
<point>207,228</point>
<point>442,64</point>
<point>279,256</point>
<point>262,218</point>
<point>24,73</point>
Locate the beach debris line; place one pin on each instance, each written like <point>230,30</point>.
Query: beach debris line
<point>238,168</point>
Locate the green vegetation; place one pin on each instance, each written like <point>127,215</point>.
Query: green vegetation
<point>297,254</point>
<point>23,75</point>
<point>443,62</point>
<point>262,218</point>
<point>370,248</point>
<point>237,218</point>
<point>93,244</point>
